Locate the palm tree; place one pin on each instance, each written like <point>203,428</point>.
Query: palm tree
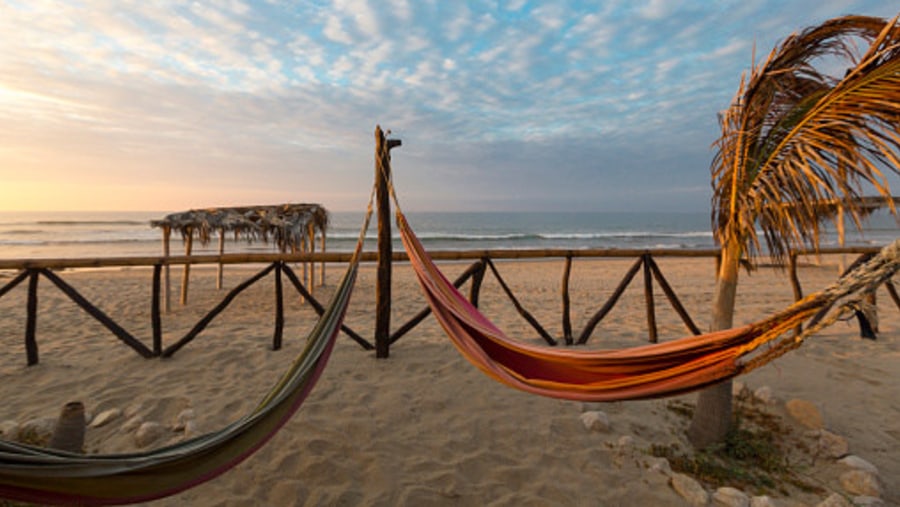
<point>795,136</point>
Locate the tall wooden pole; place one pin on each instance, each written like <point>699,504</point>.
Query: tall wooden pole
<point>385,251</point>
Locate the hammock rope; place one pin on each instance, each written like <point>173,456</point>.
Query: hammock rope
<point>49,476</point>
<point>649,371</point>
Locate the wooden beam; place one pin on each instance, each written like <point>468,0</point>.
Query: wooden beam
<point>610,303</point>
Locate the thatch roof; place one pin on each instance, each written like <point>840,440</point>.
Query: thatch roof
<point>867,205</point>
<point>285,224</point>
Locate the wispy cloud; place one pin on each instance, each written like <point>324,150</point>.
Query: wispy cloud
<point>514,94</point>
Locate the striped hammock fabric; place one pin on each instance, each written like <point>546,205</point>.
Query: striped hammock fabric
<point>656,370</point>
<point>48,476</point>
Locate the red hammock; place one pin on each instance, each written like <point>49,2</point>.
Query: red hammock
<point>660,369</point>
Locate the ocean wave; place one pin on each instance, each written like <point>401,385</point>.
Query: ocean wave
<point>92,222</point>
<point>84,241</point>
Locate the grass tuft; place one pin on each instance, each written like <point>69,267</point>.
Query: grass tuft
<point>754,457</point>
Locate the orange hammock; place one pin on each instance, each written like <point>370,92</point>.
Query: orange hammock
<point>660,369</point>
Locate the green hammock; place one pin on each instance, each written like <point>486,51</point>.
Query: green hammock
<point>35,474</point>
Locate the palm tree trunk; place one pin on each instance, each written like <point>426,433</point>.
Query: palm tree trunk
<point>712,416</point>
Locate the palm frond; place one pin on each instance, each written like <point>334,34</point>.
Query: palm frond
<point>796,137</point>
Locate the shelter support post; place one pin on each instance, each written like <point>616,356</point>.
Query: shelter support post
<point>221,267</point>
<point>383,148</point>
<point>186,272</point>
<point>311,232</point>
<point>322,266</point>
<point>167,234</point>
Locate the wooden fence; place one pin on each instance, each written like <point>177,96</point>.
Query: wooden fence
<point>278,266</point>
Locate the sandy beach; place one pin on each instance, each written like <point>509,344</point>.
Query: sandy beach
<point>424,427</point>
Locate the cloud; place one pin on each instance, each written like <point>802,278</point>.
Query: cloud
<point>612,98</point>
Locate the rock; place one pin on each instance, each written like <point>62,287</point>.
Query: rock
<point>133,423</point>
<point>105,417</point>
<point>37,431</point>
<point>659,465</point>
<point>805,413</point>
<point>625,443</point>
<point>189,430</point>
<point>762,501</point>
<point>860,482</point>
<point>858,463</point>
<point>835,500</point>
<point>689,489</point>
<point>133,409</point>
<point>764,394</point>
<point>868,501</point>
<point>833,446</point>
<point>738,388</point>
<point>9,430</point>
<point>730,497</point>
<point>148,433</point>
<point>595,420</point>
<point>184,417</point>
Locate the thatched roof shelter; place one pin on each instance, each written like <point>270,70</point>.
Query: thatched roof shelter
<point>292,227</point>
<point>288,225</point>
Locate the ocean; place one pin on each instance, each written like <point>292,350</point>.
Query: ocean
<point>26,235</point>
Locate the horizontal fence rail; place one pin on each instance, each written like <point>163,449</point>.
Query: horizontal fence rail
<point>342,257</point>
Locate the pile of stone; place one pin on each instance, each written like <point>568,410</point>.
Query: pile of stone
<point>858,484</point>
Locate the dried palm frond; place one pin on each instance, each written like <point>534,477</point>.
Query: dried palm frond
<point>796,138</point>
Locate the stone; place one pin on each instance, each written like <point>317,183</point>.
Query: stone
<point>805,413</point>
<point>37,431</point>
<point>835,500</point>
<point>860,482</point>
<point>833,446</point>
<point>764,394</point>
<point>105,417</point>
<point>133,423</point>
<point>690,490</point>
<point>868,501</point>
<point>189,430</point>
<point>148,433</point>
<point>858,463</point>
<point>730,497</point>
<point>595,420</point>
<point>737,388</point>
<point>762,501</point>
<point>133,409</point>
<point>625,443</point>
<point>184,417</point>
<point>659,465</point>
<point>9,430</point>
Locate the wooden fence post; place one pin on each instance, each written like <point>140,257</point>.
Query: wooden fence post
<point>648,297</point>
<point>385,251</point>
<point>567,318</point>
<point>31,348</point>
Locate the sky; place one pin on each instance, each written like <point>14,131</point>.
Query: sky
<point>500,106</point>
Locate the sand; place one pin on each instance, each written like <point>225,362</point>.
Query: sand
<point>424,427</point>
